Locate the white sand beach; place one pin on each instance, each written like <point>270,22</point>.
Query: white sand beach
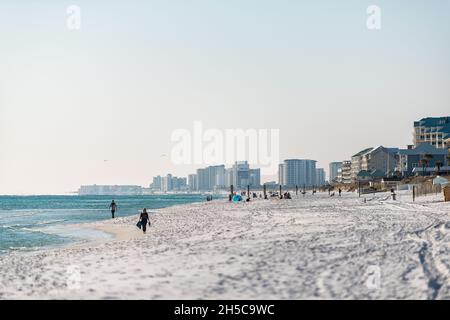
<point>312,247</point>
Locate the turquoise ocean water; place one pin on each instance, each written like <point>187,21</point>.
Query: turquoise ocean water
<point>34,222</point>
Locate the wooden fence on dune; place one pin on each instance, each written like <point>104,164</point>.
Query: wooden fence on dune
<point>426,189</point>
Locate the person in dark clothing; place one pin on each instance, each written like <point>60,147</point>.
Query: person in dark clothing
<point>144,218</point>
<point>340,192</point>
<point>113,207</point>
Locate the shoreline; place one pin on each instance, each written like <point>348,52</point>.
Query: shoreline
<point>77,233</point>
<point>120,229</point>
<point>312,247</point>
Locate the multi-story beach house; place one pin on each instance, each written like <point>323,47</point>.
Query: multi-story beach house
<point>359,163</point>
<point>345,172</point>
<point>370,159</point>
<point>434,131</point>
<point>334,168</point>
<point>298,172</point>
<point>410,159</point>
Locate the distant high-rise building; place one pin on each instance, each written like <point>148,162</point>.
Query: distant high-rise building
<point>241,174</point>
<point>217,176</point>
<point>298,172</point>
<point>156,184</point>
<point>228,177</point>
<point>203,179</point>
<point>320,177</point>
<point>167,183</point>
<point>171,183</point>
<point>211,178</point>
<point>175,183</point>
<point>281,174</point>
<point>179,184</point>
<point>434,131</point>
<point>255,178</point>
<point>192,182</point>
<point>334,168</point>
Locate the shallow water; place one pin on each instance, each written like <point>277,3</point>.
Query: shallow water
<point>33,222</point>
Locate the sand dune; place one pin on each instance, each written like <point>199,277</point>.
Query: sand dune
<point>312,247</point>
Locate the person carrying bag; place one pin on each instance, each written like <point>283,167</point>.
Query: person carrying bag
<point>143,220</point>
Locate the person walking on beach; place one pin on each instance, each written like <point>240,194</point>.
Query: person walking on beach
<point>113,207</point>
<point>144,218</point>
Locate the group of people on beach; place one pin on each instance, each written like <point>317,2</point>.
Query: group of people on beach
<point>235,197</point>
<point>333,194</point>
<point>144,218</point>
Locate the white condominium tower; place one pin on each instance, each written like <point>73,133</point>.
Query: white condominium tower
<point>320,177</point>
<point>298,172</point>
<point>334,168</point>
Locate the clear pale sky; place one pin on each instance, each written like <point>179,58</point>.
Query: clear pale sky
<point>137,70</point>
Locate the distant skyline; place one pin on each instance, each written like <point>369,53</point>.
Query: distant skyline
<point>98,105</point>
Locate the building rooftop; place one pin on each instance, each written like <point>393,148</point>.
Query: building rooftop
<point>363,152</point>
<point>389,150</point>
<point>393,150</point>
<point>432,122</point>
<point>440,124</point>
<point>377,174</point>
<point>363,173</point>
<point>374,174</point>
<point>299,160</point>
